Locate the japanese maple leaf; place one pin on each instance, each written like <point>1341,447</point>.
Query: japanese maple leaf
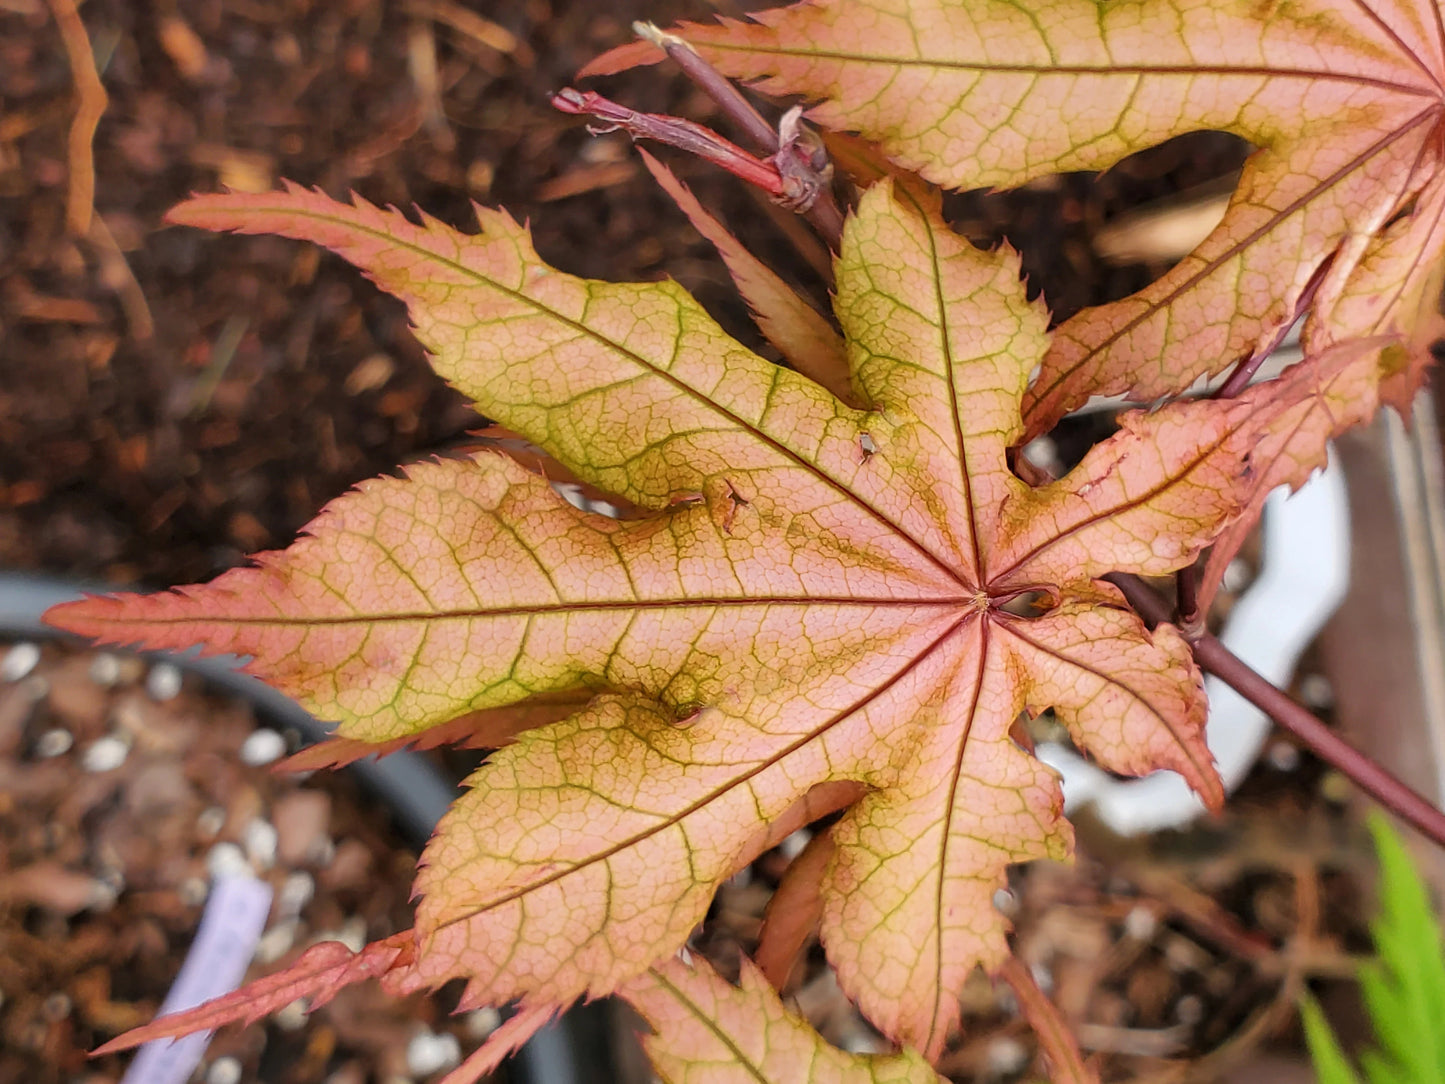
<point>1344,201</point>
<point>823,601</point>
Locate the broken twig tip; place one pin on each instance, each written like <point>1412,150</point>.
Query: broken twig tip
<point>568,101</point>
<point>650,32</point>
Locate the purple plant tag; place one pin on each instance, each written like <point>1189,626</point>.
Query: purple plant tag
<point>230,927</point>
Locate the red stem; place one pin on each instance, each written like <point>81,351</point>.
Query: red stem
<point>1191,621</point>
<point>691,137</point>
<point>1244,372</point>
<point>1055,1036</point>
<point>717,86</point>
<point>1371,777</point>
<point>824,213</point>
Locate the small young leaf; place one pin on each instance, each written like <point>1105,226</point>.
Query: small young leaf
<point>798,330</point>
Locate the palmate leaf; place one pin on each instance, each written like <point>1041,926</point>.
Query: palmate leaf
<point>805,613</point>
<point>1343,98</point>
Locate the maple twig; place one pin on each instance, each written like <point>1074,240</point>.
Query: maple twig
<point>1191,621</point>
<point>91,104</point>
<point>1055,1036</point>
<point>717,86</point>
<point>1366,773</point>
<point>795,151</point>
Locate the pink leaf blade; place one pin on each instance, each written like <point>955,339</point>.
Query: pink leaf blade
<point>954,94</point>
<point>1254,270</point>
<point>1394,294</point>
<point>1132,698</point>
<point>632,856</point>
<point>460,588</point>
<point>1302,410</point>
<point>1151,497</point>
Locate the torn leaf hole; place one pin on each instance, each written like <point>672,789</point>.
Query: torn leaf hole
<point>690,499</point>
<point>735,501</point>
<point>687,713</point>
<point>1027,603</point>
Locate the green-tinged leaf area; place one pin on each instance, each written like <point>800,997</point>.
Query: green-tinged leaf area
<point>706,1031</point>
<point>815,602</point>
<point>1344,101</point>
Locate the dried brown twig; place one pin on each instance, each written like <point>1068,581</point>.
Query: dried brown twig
<point>91,104</point>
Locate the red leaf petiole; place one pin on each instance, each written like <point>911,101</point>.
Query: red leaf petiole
<point>686,134</point>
